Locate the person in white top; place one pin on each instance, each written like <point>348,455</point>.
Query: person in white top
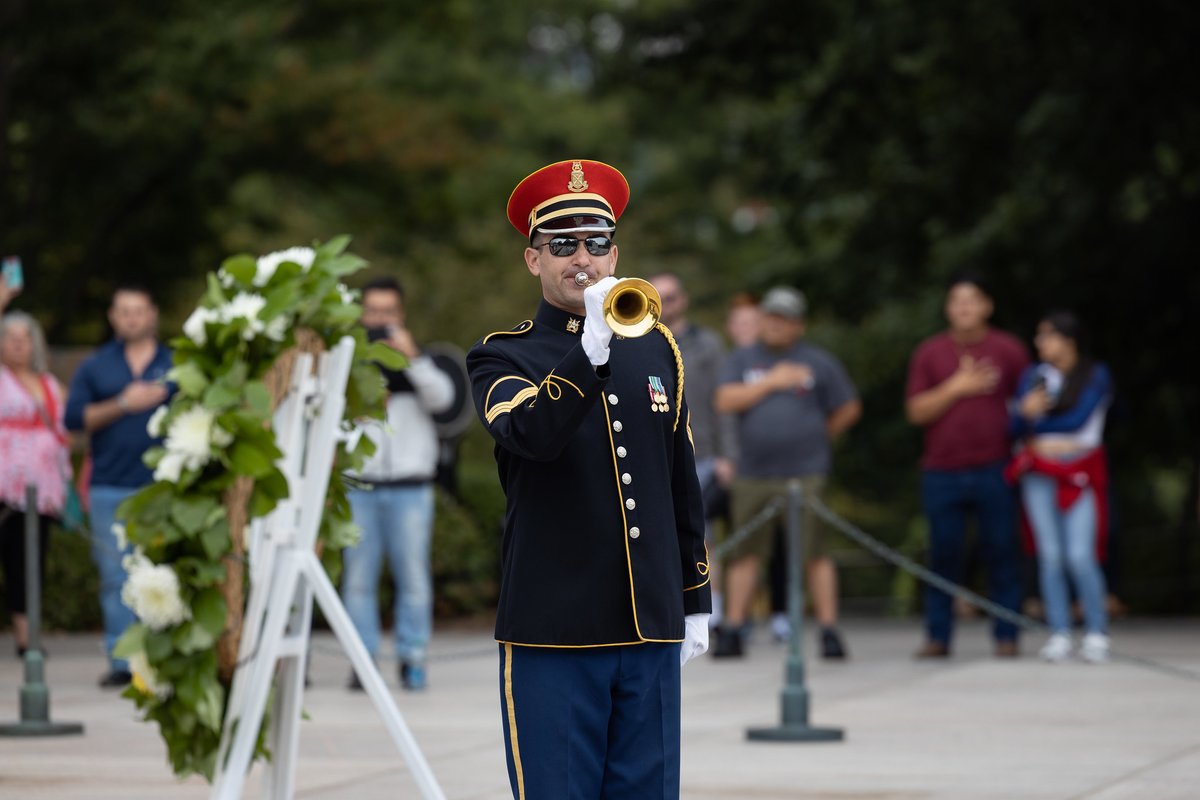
<point>395,506</point>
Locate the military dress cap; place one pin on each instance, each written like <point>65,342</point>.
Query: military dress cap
<point>573,195</point>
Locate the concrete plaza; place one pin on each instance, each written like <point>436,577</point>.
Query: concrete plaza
<point>971,727</point>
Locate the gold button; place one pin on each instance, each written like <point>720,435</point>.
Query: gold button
<point>621,451</point>
<point>612,399</point>
<point>617,425</point>
<point>626,478</point>
<point>634,532</point>
<point>630,504</point>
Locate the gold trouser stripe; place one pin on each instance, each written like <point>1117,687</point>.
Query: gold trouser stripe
<point>512,721</point>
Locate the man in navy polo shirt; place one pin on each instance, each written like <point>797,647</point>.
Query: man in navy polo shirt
<point>112,396</point>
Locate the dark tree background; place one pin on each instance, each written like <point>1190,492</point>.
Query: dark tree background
<point>862,151</point>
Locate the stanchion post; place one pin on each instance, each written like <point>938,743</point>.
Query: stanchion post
<point>34,693</point>
<point>794,725</point>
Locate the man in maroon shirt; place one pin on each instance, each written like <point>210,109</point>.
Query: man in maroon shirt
<point>958,385</point>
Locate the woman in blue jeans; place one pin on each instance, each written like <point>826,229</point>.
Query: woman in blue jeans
<point>1060,410</point>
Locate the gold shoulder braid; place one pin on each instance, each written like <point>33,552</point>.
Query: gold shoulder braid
<point>666,332</point>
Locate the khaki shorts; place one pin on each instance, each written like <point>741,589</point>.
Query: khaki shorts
<point>749,496</point>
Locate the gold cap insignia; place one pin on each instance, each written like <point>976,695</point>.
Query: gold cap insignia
<point>577,183</point>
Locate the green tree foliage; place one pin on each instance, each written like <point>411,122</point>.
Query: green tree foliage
<point>862,151</point>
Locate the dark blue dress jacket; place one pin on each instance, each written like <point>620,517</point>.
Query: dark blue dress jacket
<point>604,529</point>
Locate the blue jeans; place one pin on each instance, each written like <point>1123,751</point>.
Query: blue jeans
<point>117,616</point>
<point>1066,542</point>
<point>397,523</point>
<point>948,496</point>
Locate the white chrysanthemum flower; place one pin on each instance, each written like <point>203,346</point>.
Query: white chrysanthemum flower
<point>154,426</point>
<point>145,677</point>
<point>270,262</point>
<point>346,295</point>
<point>225,278</point>
<point>191,436</point>
<point>170,467</point>
<point>152,592</point>
<point>245,305</point>
<point>277,328</point>
<point>118,531</point>
<point>194,327</point>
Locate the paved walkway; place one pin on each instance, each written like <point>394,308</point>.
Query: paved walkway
<point>970,728</point>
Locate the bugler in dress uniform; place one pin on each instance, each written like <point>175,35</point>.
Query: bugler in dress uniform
<point>603,550</point>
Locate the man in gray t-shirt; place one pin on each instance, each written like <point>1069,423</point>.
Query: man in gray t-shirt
<point>792,399</point>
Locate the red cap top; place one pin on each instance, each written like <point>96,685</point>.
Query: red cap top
<point>569,195</point>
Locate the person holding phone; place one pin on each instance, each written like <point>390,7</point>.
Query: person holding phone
<point>395,506</point>
<point>112,396</point>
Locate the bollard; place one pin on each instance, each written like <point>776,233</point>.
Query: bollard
<point>794,725</point>
<point>34,693</point>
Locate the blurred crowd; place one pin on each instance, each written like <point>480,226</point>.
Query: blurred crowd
<point>1012,448</point>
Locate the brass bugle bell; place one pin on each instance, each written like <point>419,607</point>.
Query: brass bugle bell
<point>632,308</point>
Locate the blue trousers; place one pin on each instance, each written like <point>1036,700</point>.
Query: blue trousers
<point>591,722</point>
<point>106,554</point>
<point>397,524</point>
<point>1066,542</point>
<point>949,496</point>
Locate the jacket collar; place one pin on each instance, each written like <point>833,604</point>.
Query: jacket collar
<point>555,319</point>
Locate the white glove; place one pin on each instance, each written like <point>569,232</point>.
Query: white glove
<point>596,333</point>
<point>695,637</point>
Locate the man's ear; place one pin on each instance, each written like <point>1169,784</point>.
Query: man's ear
<point>612,267</point>
<point>533,260</point>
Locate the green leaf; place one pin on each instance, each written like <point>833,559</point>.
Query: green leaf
<point>215,540</point>
<point>190,379</point>
<point>280,300</point>
<point>258,398</point>
<point>132,641</point>
<point>247,459</point>
<point>208,611</point>
<point>192,638</point>
<point>158,645</point>
<point>334,247</point>
<point>385,356</point>
<point>345,264</point>
<point>191,513</point>
<point>221,396</point>
<point>215,291</point>
<point>242,267</point>
<point>210,705</point>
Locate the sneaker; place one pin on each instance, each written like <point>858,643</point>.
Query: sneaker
<point>832,646</point>
<point>116,679</point>
<point>729,644</point>
<point>1057,648</point>
<point>1095,648</point>
<point>412,676</point>
<point>781,627</point>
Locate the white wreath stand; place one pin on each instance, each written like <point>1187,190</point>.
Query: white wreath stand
<point>285,575</point>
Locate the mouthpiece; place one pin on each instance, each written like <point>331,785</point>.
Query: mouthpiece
<point>582,279</point>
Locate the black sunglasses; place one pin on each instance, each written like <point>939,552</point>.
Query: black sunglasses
<point>567,245</point>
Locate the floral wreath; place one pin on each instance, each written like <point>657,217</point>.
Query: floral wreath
<point>217,470</point>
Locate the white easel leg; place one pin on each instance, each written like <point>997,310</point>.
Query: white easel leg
<point>347,634</point>
<point>262,667</point>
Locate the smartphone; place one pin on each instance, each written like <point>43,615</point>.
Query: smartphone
<point>14,278</point>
